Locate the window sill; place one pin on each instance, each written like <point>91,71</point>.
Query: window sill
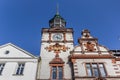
<point>18,74</point>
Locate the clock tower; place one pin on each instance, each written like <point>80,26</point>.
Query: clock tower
<point>56,44</point>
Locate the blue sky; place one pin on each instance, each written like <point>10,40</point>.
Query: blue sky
<point>21,20</point>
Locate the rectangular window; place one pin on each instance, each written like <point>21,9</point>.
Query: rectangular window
<point>20,69</point>
<point>1,68</point>
<point>60,73</point>
<point>102,70</point>
<point>95,69</point>
<point>57,72</point>
<point>89,70</point>
<point>54,72</point>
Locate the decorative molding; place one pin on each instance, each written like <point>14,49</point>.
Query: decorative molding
<point>88,77</point>
<point>89,46</point>
<point>56,29</point>
<point>113,61</point>
<point>67,41</point>
<point>73,60</point>
<point>117,59</point>
<point>57,48</point>
<point>56,61</point>
<point>117,72</point>
<point>83,56</point>
<point>50,37</point>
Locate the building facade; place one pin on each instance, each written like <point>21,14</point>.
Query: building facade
<point>59,58</point>
<point>92,61</point>
<point>57,42</point>
<point>17,64</point>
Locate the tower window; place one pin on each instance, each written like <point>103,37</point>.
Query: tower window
<point>95,69</point>
<point>20,69</point>
<point>1,68</point>
<point>57,72</point>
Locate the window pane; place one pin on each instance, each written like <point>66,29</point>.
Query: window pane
<point>88,65</point>
<point>54,72</point>
<point>60,73</point>
<point>17,72</point>
<point>94,65</point>
<point>21,72</point>
<point>89,71</point>
<point>1,68</point>
<point>102,70</point>
<point>95,70</point>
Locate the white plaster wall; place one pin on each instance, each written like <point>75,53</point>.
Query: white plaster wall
<point>13,52</point>
<point>45,69</point>
<point>102,48</point>
<point>10,69</point>
<point>77,48</point>
<point>46,57</point>
<point>45,36</point>
<point>69,36</point>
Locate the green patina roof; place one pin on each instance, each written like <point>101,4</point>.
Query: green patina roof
<point>57,16</point>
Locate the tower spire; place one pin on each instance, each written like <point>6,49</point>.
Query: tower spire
<point>57,9</point>
<point>57,20</point>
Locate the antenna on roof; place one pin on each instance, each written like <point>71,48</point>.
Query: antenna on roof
<point>57,9</point>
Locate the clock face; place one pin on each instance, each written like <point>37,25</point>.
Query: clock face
<point>57,37</point>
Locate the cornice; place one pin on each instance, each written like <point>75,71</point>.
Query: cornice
<point>54,30</point>
<point>18,58</point>
<point>117,59</point>
<point>84,56</point>
<point>96,77</point>
<point>57,41</point>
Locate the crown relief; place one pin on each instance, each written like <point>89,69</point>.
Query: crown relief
<point>89,46</point>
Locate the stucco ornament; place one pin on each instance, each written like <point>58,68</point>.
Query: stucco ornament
<point>89,46</point>
<point>57,48</point>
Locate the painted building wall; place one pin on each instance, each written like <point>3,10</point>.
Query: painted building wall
<point>47,56</point>
<point>11,65</point>
<point>90,52</point>
<point>12,58</point>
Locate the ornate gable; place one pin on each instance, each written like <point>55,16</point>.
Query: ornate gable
<point>89,45</point>
<point>12,51</point>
